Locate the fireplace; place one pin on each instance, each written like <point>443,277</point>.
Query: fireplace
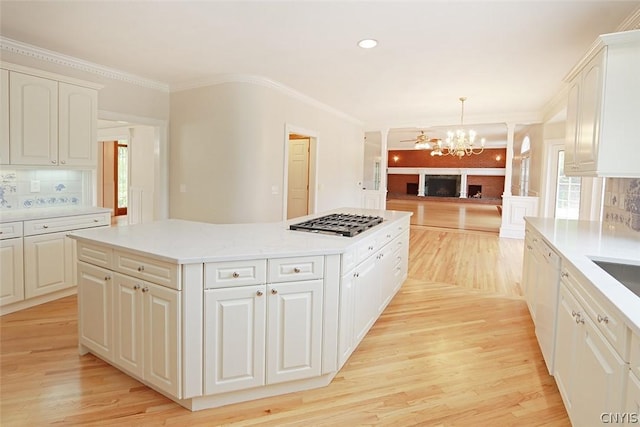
<point>475,191</point>
<point>442,185</point>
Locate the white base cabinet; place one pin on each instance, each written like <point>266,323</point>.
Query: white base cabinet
<point>591,375</point>
<point>11,272</point>
<point>208,334</point>
<point>38,259</point>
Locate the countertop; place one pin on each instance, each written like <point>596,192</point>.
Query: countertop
<point>43,213</point>
<point>580,241</point>
<point>187,242</point>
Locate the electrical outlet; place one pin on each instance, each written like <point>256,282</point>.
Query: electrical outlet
<point>35,186</point>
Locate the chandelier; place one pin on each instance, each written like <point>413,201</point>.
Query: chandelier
<point>459,143</point>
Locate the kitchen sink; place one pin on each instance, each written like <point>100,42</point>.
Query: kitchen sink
<point>627,274</point>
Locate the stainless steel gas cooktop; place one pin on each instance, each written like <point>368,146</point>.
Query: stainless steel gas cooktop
<point>342,224</point>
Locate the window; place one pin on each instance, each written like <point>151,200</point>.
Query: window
<point>567,193</point>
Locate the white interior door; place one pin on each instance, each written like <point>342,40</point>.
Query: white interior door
<point>298,179</point>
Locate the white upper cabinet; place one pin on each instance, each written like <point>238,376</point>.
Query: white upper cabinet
<point>33,120</point>
<point>603,109</point>
<point>47,119</point>
<point>78,119</point>
<point>4,117</point>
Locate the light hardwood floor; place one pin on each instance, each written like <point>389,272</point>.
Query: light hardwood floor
<point>456,346</point>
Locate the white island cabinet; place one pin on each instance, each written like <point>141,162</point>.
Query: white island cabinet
<point>216,314</point>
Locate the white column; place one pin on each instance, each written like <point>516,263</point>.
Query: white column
<point>463,184</point>
<point>384,167</point>
<point>421,182</point>
<point>509,166</point>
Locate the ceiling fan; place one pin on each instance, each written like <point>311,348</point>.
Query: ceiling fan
<point>422,141</point>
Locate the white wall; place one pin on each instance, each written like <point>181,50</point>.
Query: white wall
<point>227,153</point>
<point>372,153</point>
<point>535,134</point>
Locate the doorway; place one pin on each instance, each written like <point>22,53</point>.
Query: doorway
<point>300,170</point>
<point>115,176</point>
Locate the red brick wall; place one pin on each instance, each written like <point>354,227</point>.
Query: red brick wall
<point>398,183</point>
<point>423,159</point>
<point>492,186</point>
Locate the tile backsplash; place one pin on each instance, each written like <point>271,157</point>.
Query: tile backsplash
<point>622,203</point>
<point>33,189</point>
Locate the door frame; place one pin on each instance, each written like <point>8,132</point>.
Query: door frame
<point>314,141</point>
<point>120,211</point>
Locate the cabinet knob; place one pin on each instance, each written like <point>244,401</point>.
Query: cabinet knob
<point>235,275</point>
<point>45,226</point>
<point>95,220</point>
<point>145,289</point>
<point>136,287</point>
<point>370,248</point>
<point>141,268</point>
<point>564,274</point>
<point>604,319</point>
<point>296,270</point>
<point>388,236</point>
<point>259,293</point>
<point>274,291</point>
<point>573,313</point>
<point>63,161</point>
<point>53,162</point>
<point>107,278</point>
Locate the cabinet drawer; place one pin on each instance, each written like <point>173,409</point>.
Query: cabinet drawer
<point>634,360</point>
<point>9,230</point>
<point>67,223</point>
<point>366,248</point>
<point>235,273</point>
<point>95,254</point>
<point>606,318</point>
<point>158,272</point>
<point>295,269</point>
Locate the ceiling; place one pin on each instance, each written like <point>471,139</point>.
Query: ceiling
<point>507,57</point>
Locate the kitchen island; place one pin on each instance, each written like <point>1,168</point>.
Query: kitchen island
<point>213,314</point>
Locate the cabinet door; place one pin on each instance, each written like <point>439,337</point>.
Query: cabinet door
<point>4,117</point>
<point>531,278</point>
<point>234,338</point>
<point>48,262</point>
<point>294,330</point>
<point>366,297</point>
<point>128,318</point>
<point>590,109</point>
<point>94,309</point>
<point>566,346</point>
<point>345,330</point>
<point>633,397</point>
<point>387,277</point>
<point>11,278</point>
<point>77,145</point>
<point>162,338</point>
<point>601,377</point>
<point>571,127</point>
<point>33,120</point>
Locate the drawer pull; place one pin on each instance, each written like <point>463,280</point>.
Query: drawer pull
<point>388,236</point>
<point>573,313</point>
<point>274,291</point>
<point>564,274</point>
<point>96,220</point>
<point>136,287</point>
<point>259,293</point>
<point>235,275</point>
<point>579,318</point>
<point>141,268</point>
<point>145,289</point>
<point>107,278</point>
<point>45,226</point>
<point>604,319</point>
<point>296,270</point>
<point>370,248</point>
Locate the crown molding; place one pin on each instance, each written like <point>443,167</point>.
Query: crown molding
<point>631,23</point>
<point>263,81</point>
<point>31,51</point>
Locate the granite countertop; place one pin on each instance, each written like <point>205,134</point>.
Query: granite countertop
<point>580,241</point>
<point>187,242</point>
<point>43,213</point>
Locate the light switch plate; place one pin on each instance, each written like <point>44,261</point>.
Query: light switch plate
<point>35,186</point>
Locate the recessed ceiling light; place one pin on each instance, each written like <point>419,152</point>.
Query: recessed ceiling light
<point>368,43</point>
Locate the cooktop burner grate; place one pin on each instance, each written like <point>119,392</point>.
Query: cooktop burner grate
<point>342,224</point>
